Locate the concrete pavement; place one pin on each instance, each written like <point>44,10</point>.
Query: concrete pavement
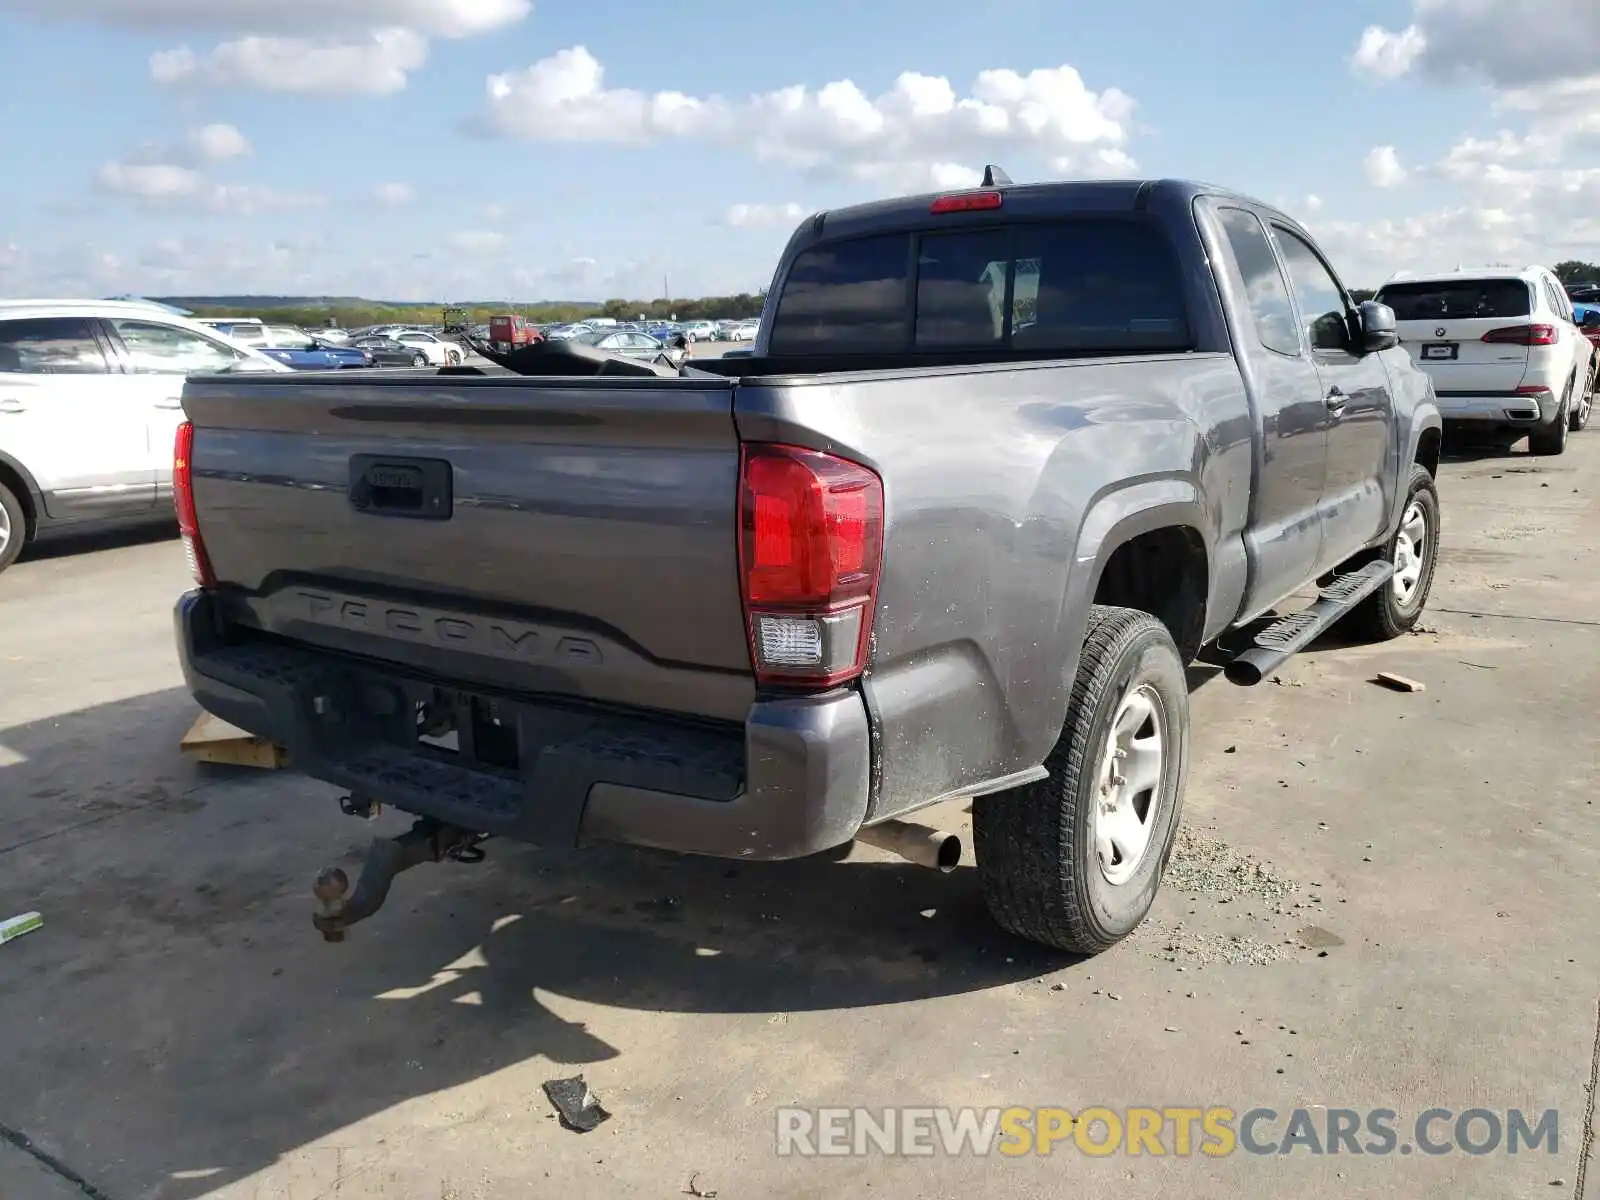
<point>1382,900</point>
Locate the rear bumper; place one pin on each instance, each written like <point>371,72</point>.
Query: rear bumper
<point>794,781</point>
<point>1500,408</point>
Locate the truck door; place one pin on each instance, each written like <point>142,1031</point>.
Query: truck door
<point>1359,408</point>
<point>1283,536</point>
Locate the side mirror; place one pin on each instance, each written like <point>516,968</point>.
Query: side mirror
<point>1378,330</point>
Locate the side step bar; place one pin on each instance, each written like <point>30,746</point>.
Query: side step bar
<point>1282,639</point>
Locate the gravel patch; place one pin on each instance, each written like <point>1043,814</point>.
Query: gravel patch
<point>1207,865</point>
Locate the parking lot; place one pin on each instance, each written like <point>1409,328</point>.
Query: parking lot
<point>1382,900</point>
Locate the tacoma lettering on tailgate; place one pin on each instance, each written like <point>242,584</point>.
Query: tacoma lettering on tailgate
<point>433,627</point>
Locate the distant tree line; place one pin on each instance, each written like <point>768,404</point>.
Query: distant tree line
<point>353,314</point>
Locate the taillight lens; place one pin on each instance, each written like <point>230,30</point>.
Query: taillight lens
<point>966,202</point>
<point>810,550</point>
<point>183,501</point>
<point>1523,335</point>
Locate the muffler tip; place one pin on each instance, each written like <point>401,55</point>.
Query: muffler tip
<point>1242,672</point>
<point>948,855</point>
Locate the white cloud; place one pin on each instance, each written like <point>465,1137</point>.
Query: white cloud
<point>172,177</point>
<point>1524,189</point>
<point>495,212</point>
<point>1383,54</point>
<point>1312,203</point>
<point>217,143</point>
<point>919,133</point>
<point>1507,45</point>
<point>442,18</point>
<point>763,216</point>
<point>1383,167</point>
<point>394,195</point>
<point>374,64</point>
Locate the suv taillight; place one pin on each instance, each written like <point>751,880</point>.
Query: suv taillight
<point>810,550</point>
<point>1523,335</point>
<point>183,500</point>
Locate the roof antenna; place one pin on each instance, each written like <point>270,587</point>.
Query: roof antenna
<point>994,177</point>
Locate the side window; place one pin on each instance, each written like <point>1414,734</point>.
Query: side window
<point>1323,302</point>
<point>1559,307</point>
<point>167,350</point>
<point>1094,284</point>
<point>961,288</point>
<point>845,297</point>
<point>50,346</point>
<point>1265,289</point>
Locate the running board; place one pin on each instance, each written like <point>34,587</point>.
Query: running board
<point>1282,639</point>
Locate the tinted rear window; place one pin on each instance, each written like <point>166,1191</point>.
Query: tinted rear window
<point>1459,299</point>
<point>845,298</point>
<point>1084,285</point>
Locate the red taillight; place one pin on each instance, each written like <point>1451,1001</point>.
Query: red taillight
<point>966,202</point>
<point>1523,335</point>
<point>810,547</point>
<point>183,502</point>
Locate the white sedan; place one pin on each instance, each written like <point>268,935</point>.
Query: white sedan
<point>441,353</point>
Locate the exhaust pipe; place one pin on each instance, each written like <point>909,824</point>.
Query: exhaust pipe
<point>919,844</point>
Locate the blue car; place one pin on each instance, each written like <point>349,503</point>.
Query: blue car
<point>298,349</point>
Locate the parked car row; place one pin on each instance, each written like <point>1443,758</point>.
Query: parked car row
<point>378,346</point>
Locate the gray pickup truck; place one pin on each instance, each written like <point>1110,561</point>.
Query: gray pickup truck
<point>1002,463</point>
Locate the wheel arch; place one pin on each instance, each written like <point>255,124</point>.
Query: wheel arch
<point>1147,546</point>
<point>22,484</point>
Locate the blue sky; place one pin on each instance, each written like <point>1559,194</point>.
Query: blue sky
<point>204,146</point>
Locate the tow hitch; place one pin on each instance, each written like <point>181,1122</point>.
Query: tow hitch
<point>427,841</point>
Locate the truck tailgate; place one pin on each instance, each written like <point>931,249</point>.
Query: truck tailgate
<point>568,537</point>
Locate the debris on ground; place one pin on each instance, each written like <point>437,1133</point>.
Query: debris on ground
<point>14,927</point>
<point>1398,683</point>
<point>578,1107</point>
<point>694,1188</point>
<point>1202,864</point>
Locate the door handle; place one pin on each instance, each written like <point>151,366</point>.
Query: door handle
<point>9,405</point>
<point>169,402</point>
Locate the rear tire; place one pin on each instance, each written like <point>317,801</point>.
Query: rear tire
<point>1060,861</point>
<point>419,360</point>
<point>1396,607</point>
<point>1552,438</point>
<point>13,527</point>
<point>1580,414</point>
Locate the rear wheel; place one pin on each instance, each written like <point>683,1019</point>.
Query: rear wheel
<point>1074,861</point>
<point>419,359</point>
<point>13,527</point>
<point>1396,607</point>
<point>1585,405</point>
<point>1552,438</point>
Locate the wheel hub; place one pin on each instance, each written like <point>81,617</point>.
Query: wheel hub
<point>1410,553</point>
<point>1131,770</point>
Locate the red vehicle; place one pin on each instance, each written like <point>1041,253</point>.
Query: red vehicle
<point>510,331</point>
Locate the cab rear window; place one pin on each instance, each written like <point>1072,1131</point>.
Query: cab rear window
<point>1458,300</point>
<point>1086,285</point>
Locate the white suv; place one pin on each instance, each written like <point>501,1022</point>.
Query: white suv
<point>90,401</point>
<point>1502,349</point>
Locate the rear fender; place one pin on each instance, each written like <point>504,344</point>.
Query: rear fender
<point>1114,518</point>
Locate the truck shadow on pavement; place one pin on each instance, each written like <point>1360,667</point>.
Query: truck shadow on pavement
<point>181,1025</point>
